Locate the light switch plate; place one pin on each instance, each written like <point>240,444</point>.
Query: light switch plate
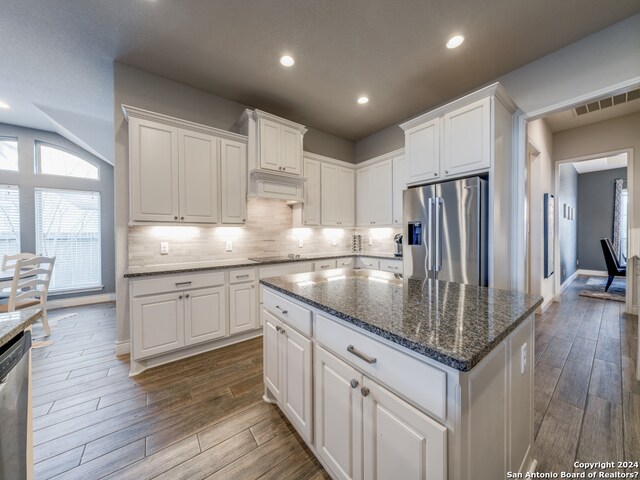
<point>370,240</point>
<point>229,246</point>
<point>164,248</point>
<point>300,243</point>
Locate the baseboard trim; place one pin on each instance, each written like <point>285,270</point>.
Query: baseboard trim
<point>545,305</point>
<point>123,347</point>
<point>593,273</point>
<point>77,301</point>
<point>569,281</point>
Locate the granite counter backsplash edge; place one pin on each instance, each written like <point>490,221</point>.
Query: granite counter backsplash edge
<point>6,334</point>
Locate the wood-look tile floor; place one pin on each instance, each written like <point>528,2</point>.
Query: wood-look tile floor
<point>200,418</point>
<point>587,399</point>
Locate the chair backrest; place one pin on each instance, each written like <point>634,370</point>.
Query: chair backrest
<point>9,261</point>
<point>609,256</point>
<point>30,281</point>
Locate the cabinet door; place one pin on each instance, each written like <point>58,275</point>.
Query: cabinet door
<point>311,207</point>
<point>400,441</point>
<point>399,185</point>
<point>297,381</point>
<point>290,150</point>
<point>467,139</point>
<point>205,315</point>
<point>198,155</point>
<point>381,193</point>
<point>329,194</point>
<point>347,198</point>
<point>242,307</point>
<point>422,152</point>
<point>153,182</point>
<point>233,159</point>
<point>338,414</point>
<point>272,361</point>
<point>269,145</point>
<point>363,205</point>
<point>158,324</point>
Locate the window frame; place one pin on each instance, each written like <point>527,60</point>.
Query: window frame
<point>38,162</point>
<point>8,137</point>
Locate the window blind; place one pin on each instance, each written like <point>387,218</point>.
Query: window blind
<point>9,220</point>
<point>68,227</point>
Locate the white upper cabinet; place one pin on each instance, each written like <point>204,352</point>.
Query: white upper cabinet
<point>363,207</point>
<point>330,193</point>
<point>311,207</point>
<point>270,145</point>
<point>375,194</point>
<point>347,198</point>
<point>175,170</point>
<point>291,150</point>
<point>337,196</point>
<point>467,139</point>
<point>399,185</point>
<point>422,147</point>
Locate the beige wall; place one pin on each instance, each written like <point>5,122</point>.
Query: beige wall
<point>541,174</point>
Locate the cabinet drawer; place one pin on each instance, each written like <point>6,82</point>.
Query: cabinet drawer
<point>420,383</point>
<point>324,265</point>
<point>345,262</point>
<point>366,262</point>
<point>289,312</point>
<point>393,266</point>
<point>175,283</point>
<point>245,275</point>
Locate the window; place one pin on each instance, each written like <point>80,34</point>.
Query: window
<point>55,161</point>
<point>9,154</point>
<point>68,227</point>
<point>9,220</point>
<point>622,245</point>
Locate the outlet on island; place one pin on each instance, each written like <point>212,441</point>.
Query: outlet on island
<point>164,248</point>
<point>229,246</point>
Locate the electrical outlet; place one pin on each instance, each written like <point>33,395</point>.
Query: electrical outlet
<point>164,248</point>
<point>334,242</point>
<point>524,358</point>
<point>229,246</point>
<point>300,243</point>
<point>370,240</point>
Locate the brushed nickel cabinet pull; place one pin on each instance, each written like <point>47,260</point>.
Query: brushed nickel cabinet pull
<point>367,358</point>
<point>182,284</point>
<point>365,391</point>
<point>242,276</point>
<point>284,312</point>
<point>354,383</point>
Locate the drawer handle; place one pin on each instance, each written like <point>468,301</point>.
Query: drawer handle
<point>354,383</point>
<point>182,284</point>
<point>351,349</point>
<point>284,312</point>
<point>325,266</point>
<point>246,275</point>
<point>365,391</point>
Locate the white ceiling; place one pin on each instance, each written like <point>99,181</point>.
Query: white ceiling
<point>568,119</point>
<point>58,54</point>
<point>599,164</point>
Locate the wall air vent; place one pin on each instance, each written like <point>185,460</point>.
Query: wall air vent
<point>607,102</point>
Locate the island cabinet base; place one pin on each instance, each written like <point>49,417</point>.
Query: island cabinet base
<point>370,408</point>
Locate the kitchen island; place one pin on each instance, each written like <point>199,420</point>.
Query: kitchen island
<point>392,378</point>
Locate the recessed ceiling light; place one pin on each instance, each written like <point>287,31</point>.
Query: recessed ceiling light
<point>362,100</point>
<point>455,41</point>
<point>287,60</point>
<point>4,105</point>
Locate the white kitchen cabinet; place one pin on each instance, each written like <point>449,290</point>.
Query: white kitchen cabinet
<point>233,181</point>
<point>388,265</point>
<point>204,315</point>
<point>269,145</point>
<point>311,207</point>
<point>422,152</point>
<point>159,324</point>
<point>368,262</point>
<point>467,139</point>
<point>399,441</point>
<point>329,264</point>
<point>291,150</point>
<point>399,186</point>
<point>337,196</point>
<point>272,360</point>
<point>338,415</point>
<point>242,307</point>
<point>363,208</point>
<point>280,145</point>
<point>375,194</point>
<point>153,171</point>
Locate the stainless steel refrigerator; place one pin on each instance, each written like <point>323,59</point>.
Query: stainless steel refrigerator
<point>445,231</point>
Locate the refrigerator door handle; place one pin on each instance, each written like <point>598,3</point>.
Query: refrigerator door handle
<point>438,201</point>
<point>429,235</point>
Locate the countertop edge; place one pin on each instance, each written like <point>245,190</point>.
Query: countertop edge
<point>20,327</point>
<point>460,365</point>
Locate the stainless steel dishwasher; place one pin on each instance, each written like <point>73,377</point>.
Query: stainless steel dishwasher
<point>14,404</point>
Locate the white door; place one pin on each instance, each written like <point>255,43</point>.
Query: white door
<point>399,185</point>
<point>269,145</point>
<point>272,361</point>
<point>153,160</point>
<point>311,207</point>
<point>467,139</point>
<point>158,324</point>
<point>198,155</point>
<point>233,159</point>
<point>242,307</point>
<point>291,150</point>
<point>297,378</point>
<point>400,441</point>
<point>205,315</point>
<point>329,194</point>
<point>338,413</point>
<point>363,202</point>
<point>347,196</point>
<point>382,193</point>
<point>422,152</point>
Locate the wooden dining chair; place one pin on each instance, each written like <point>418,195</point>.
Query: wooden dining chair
<point>30,286</point>
<point>9,261</point>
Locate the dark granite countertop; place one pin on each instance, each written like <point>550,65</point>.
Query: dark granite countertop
<point>11,324</point>
<point>151,270</point>
<point>452,323</point>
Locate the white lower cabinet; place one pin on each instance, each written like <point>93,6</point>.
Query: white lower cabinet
<point>272,364</point>
<point>205,315</point>
<point>158,325</point>
<point>242,307</point>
